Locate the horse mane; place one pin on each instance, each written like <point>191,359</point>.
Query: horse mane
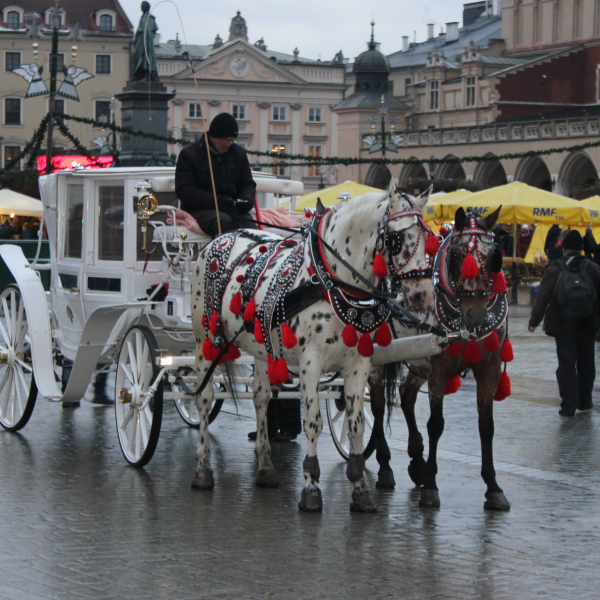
<point>360,210</point>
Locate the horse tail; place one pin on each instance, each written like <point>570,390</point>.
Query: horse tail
<point>392,378</point>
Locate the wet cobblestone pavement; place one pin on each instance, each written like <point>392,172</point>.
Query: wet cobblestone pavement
<point>77,522</point>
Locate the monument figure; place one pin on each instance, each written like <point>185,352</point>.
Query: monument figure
<point>143,56</point>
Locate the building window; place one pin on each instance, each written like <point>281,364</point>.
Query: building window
<point>315,115</point>
<point>103,64</point>
<point>10,154</point>
<point>105,23</point>
<point>12,61</point>
<point>12,111</point>
<point>13,20</point>
<point>279,113</point>
<point>239,111</point>
<point>279,169</point>
<point>194,111</point>
<point>103,111</point>
<point>314,171</point>
<point>434,95</point>
<point>470,91</point>
<point>407,82</point>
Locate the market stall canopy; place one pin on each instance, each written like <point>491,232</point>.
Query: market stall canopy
<point>330,196</point>
<point>434,209</point>
<point>522,203</point>
<point>19,204</point>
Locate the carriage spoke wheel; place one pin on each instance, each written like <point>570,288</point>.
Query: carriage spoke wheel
<point>138,420</point>
<point>338,424</point>
<point>18,390</point>
<point>186,405</point>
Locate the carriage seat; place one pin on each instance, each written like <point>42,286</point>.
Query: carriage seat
<point>173,234</point>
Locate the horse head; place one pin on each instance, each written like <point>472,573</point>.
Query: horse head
<point>473,257</point>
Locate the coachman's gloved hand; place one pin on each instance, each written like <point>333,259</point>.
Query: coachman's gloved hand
<point>242,206</point>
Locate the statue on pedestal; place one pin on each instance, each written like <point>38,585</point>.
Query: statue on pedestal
<point>143,57</point>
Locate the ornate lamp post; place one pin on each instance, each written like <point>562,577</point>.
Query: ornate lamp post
<point>389,140</point>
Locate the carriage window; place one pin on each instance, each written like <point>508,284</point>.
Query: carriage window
<point>111,222</point>
<point>74,236</point>
<point>68,281</point>
<point>104,284</point>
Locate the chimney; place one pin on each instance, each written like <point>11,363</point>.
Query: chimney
<point>404,43</point>
<point>452,32</point>
<point>430,32</point>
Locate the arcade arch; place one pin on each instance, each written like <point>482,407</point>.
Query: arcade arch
<point>410,173</point>
<point>534,172</point>
<point>450,170</point>
<point>490,173</point>
<point>378,176</point>
<point>576,172</point>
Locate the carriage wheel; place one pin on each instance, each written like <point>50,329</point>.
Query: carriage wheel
<point>138,423</point>
<point>338,424</point>
<point>18,390</point>
<point>186,406</point>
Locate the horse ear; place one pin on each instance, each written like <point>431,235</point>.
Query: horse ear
<point>393,187</point>
<point>490,220</point>
<point>422,200</point>
<point>460,219</point>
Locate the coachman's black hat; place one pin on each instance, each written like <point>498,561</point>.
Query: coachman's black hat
<point>223,126</point>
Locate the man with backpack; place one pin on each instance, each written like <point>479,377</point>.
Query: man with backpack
<point>568,296</point>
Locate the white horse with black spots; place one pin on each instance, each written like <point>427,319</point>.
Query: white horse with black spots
<point>361,232</point>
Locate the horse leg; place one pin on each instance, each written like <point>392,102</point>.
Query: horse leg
<point>385,477</point>
<point>354,388</point>
<point>267,477</point>
<point>311,499</point>
<point>487,377</point>
<point>203,479</point>
<point>408,397</point>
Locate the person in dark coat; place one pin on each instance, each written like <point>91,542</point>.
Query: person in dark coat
<point>234,185</point>
<point>574,340</point>
<point>591,245</point>
<point>551,246</point>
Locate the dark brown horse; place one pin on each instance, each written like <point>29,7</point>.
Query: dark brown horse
<point>475,304</point>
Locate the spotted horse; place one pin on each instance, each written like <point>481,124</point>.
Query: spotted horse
<point>304,304</point>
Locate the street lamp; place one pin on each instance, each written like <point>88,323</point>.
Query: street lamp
<point>431,167</point>
<point>113,110</point>
<point>389,140</point>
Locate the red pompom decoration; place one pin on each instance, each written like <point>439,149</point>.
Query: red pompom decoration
<point>452,385</point>
<point>213,322</point>
<point>379,266</point>
<point>383,337</point>
<point>503,390</point>
<point>498,283</point>
<point>258,333</point>
<point>454,349</point>
<point>365,345</point>
<point>432,245</point>
<point>262,249</point>
<point>204,320</point>
<point>288,336</point>
<point>235,306</point>
<point>233,353</point>
<point>506,354</point>
<point>349,335</point>
<point>207,350</point>
<point>250,310</point>
<point>491,342</point>
<point>308,215</point>
<point>281,371</point>
<point>272,367</point>
<point>470,270</point>
<point>472,352</point>
<point>239,278</point>
<point>443,230</point>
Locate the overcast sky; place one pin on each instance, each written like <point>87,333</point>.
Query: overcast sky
<point>318,28</point>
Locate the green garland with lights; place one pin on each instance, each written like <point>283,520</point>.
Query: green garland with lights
<point>32,147</point>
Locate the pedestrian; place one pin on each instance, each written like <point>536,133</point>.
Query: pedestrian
<point>552,246</point>
<point>567,301</point>
<point>524,240</point>
<point>233,181</point>
<point>499,235</point>
<point>27,232</point>
<point>591,245</point>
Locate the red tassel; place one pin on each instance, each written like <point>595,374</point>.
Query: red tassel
<point>506,354</point>
<point>207,350</point>
<point>308,215</point>
<point>383,337</point>
<point>491,342</point>
<point>365,345</point>
<point>452,385</point>
<point>258,334</point>
<point>349,335</point>
<point>288,336</point>
<point>272,366</point>
<point>235,306</point>
<point>250,310</point>
<point>204,320</point>
<point>470,270</point>
<point>379,266</point>
<point>281,371</point>
<point>213,322</point>
<point>443,230</point>
<point>472,352</point>
<point>454,349</point>
<point>239,278</point>
<point>249,260</point>
<point>262,249</point>
<point>432,245</point>
<point>233,353</point>
<point>498,283</point>
<point>503,390</point>
<point>223,358</point>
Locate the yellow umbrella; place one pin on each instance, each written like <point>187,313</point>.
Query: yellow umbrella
<point>434,209</point>
<point>329,196</point>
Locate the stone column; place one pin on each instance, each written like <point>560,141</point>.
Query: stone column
<point>296,172</point>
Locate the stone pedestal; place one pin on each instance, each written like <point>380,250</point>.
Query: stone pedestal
<point>144,107</point>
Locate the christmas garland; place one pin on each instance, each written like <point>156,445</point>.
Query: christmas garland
<point>32,147</point>
<point>78,145</point>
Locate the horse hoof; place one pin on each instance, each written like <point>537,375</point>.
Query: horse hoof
<point>311,501</point>
<point>363,502</point>
<point>267,478</point>
<point>417,475</point>
<point>75,404</point>
<point>385,480</point>
<point>429,499</point>
<point>496,501</point>
<point>203,480</point>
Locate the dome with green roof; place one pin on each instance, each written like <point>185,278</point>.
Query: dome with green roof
<point>372,61</point>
